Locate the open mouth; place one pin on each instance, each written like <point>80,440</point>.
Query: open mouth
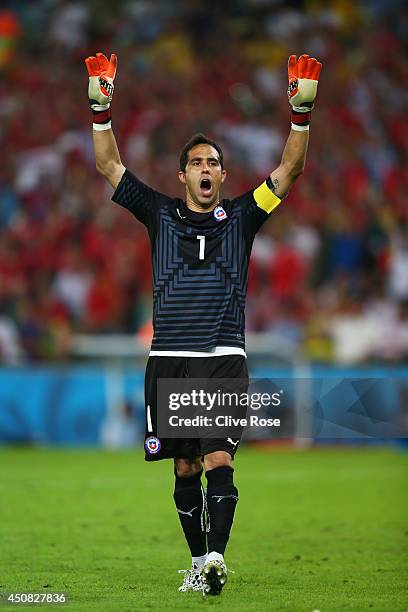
<point>206,187</point>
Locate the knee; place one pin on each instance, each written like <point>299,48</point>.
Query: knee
<point>187,467</point>
<point>217,459</point>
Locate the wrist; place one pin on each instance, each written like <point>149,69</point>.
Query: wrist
<point>300,121</point>
<point>102,116</point>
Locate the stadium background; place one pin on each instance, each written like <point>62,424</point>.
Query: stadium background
<point>329,274</point>
<point>328,289</point>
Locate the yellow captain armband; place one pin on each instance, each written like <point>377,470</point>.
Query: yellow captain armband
<point>265,198</point>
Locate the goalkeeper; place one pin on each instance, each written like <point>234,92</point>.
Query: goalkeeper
<point>200,255</point>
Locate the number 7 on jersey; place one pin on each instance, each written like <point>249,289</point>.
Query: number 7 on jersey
<point>202,247</point>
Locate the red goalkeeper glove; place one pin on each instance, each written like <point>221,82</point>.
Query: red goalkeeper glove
<point>303,76</point>
<point>100,89</point>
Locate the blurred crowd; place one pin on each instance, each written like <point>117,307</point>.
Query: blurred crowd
<point>329,273</point>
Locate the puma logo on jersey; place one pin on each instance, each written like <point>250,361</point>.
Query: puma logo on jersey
<point>188,512</point>
<point>220,497</point>
<point>232,442</point>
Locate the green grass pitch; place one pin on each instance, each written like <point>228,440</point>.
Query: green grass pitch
<point>314,530</point>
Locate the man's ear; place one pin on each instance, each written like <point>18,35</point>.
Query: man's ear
<point>223,175</point>
<point>182,177</point>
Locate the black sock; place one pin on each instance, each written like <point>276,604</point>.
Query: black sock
<point>189,499</point>
<point>222,497</point>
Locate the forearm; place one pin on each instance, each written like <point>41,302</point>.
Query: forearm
<point>107,157</point>
<point>294,153</point>
<point>292,162</point>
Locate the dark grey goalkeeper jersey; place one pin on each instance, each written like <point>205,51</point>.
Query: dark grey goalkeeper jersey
<point>200,263</point>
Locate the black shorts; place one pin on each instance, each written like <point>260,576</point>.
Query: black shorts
<point>224,366</point>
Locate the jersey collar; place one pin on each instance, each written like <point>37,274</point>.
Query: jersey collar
<point>204,218</point>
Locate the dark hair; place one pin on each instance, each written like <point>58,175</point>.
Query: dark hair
<point>194,141</point>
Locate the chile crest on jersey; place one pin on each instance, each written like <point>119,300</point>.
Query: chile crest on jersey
<point>219,213</point>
